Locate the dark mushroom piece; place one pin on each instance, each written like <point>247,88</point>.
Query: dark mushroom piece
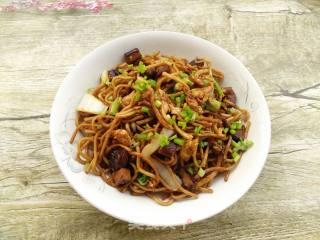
<point>197,63</point>
<point>230,95</point>
<point>122,177</point>
<point>118,158</point>
<point>133,56</point>
<point>162,68</point>
<point>112,73</point>
<point>168,150</point>
<point>150,72</point>
<point>186,179</point>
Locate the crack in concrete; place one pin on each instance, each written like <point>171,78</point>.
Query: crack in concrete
<point>293,151</point>
<point>296,94</point>
<point>25,118</point>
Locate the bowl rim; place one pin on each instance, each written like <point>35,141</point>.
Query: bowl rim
<point>176,34</point>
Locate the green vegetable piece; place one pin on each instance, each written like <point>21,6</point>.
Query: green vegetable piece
<point>225,130</point>
<point>145,110</point>
<point>130,66</point>
<point>143,137</point>
<point>173,137</point>
<point>141,67</point>
<point>188,114</point>
<point>233,132</point>
<point>178,141</point>
<point>203,144</point>
<point>218,89</point>
<point>115,106</point>
<point>141,85</point>
<point>137,97</point>
<point>213,105</point>
<point>201,172</point>
<point>164,140</point>
<point>190,169</point>
<point>158,103</point>
<point>197,129</point>
<point>142,179</point>
<point>152,83</point>
<point>235,156</point>
<point>182,124</point>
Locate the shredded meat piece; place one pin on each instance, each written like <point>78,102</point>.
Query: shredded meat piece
<point>193,103</point>
<point>122,177</point>
<point>122,136</point>
<point>202,94</point>
<point>188,148</point>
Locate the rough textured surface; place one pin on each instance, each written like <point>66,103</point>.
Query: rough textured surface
<point>278,40</point>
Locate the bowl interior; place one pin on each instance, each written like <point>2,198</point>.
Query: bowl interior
<point>142,210</point>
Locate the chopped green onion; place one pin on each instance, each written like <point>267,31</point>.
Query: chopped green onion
<point>190,169</point>
<point>236,125</point>
<point>172,121</point>
<point>142,179</point>
<point>230,110</point>
<point>225,130</point>
<point>201,172</point>
<point>137,96</point>
<point>193,73</point>
<point>133,146</point>
<point>115,106</point>
<point>145,110</point>
<point>182,124</point>
<point>104,78</point>
<point>233,132</point>
<point>180,100</point>
<point>158,103</point>
<point>241,145</point>
<point>141,85</point>
<point>219,142</point>
<point>130,66</point>
<point>183,75</point>
<point>122,71</point>
<point>213,105</point>
<point>173,137</point>
<point>235,156</point>
<point>178,141</point>
<point>197,129</point>
<point>203,144</point>
<point>141,67</point>
<point>206,82</point>
<point>164,140</point>
<point>110,98</point>
<point>152,83</point>
<point>143,137</point>
<point>218,88</point>
<point>188,114</point>
<point>248,143</point>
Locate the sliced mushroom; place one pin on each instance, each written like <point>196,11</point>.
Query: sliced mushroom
<point>122,177</point>
<point>133,56</point>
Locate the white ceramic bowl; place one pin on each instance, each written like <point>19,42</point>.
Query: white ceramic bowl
<point>142,210</point>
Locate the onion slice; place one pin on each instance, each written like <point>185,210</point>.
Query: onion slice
<point>153,146</point>
<point>166,174</point>
<point>91,104</point>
